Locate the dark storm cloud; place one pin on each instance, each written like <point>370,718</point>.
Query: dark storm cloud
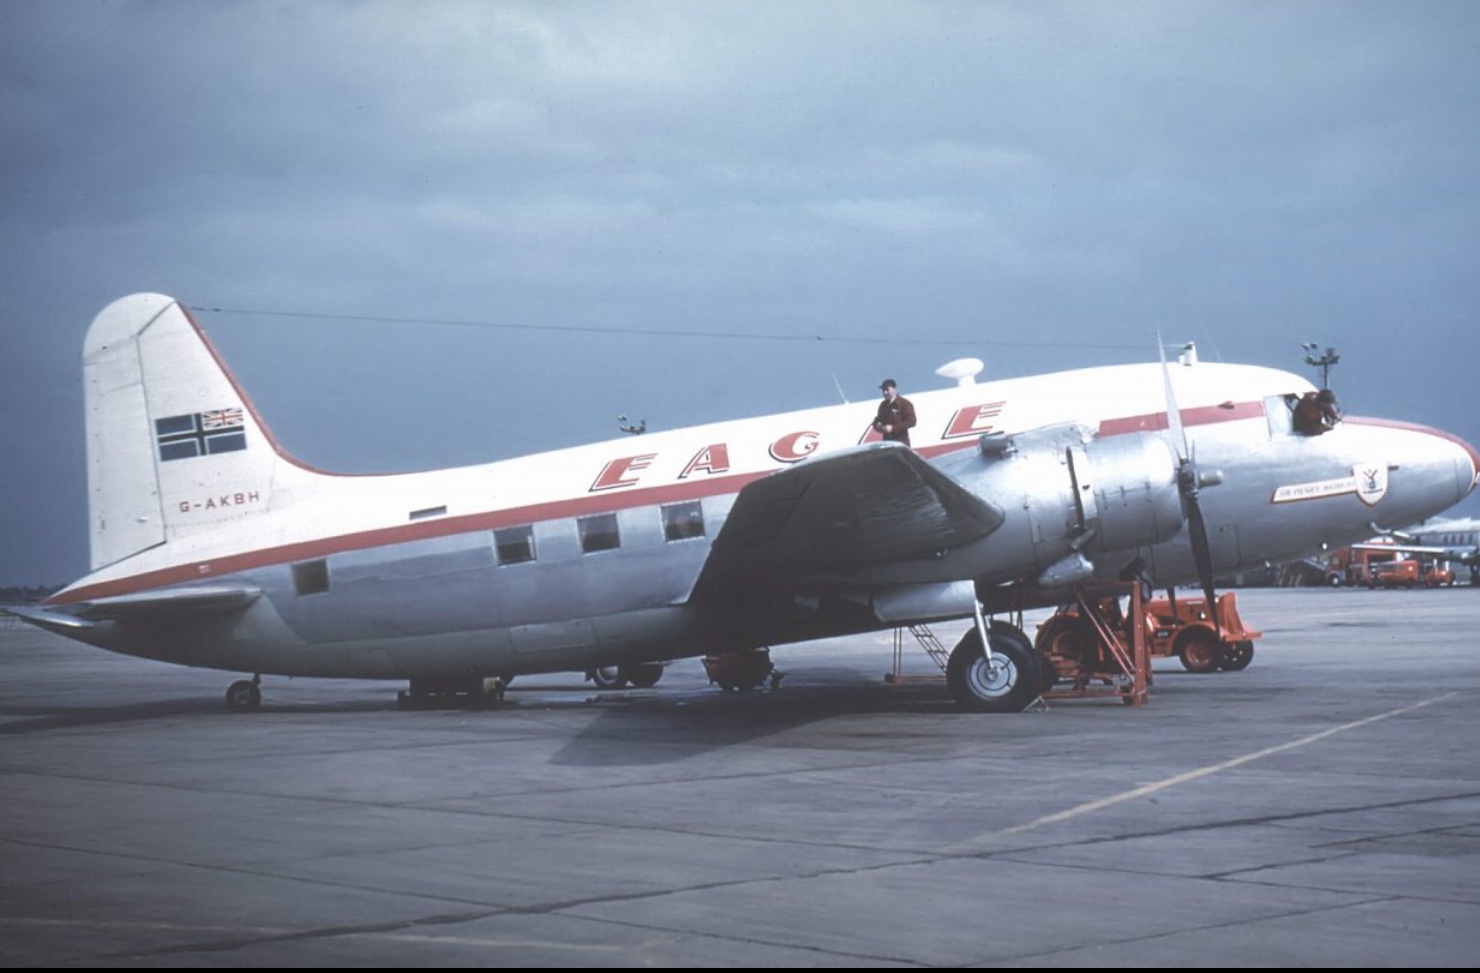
<point>1249,175</point>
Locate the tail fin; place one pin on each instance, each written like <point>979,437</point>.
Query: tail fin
<point>173,445</point>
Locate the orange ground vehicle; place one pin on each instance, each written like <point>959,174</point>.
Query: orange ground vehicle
<point>1409,573</point>
<point>1071,652</point>
<point>1393,574</point>
<point>1438,575</point>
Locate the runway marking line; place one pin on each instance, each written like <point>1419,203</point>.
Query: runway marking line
<point>1191,775</point>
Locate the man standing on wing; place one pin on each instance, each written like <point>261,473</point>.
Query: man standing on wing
<point>896,415</point>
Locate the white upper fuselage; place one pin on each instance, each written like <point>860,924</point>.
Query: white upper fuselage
<point>319,514</point>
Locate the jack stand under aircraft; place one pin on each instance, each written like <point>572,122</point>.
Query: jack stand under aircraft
<point>1092,648</point>
<point>1073,649</point>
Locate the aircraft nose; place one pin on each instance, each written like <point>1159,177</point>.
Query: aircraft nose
<point>1463,456</point>
<point>1431,470</point>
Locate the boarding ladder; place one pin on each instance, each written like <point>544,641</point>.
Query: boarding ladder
<point>932,646</point>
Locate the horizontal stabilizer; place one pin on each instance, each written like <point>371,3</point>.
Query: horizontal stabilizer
<point>49,620</point>
<point>160,605</point>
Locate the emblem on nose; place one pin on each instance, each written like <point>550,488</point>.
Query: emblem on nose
<point>1372,482</point>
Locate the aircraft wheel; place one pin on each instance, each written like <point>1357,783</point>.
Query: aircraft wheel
<point>607,677</point>
<point>1006,684</point>
<point>243,696</point>
<point>644,675</point>
<point>1238,656</point>
<point>1199,650</point>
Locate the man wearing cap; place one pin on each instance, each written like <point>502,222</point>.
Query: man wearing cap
<point>896,415</point>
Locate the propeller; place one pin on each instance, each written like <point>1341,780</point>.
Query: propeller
<point>1189,482</point>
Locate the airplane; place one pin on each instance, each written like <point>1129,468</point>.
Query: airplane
<point>1458,541</point>
<point>212,546</point>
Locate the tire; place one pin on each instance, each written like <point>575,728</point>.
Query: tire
<point>607,677</point>
<point>1066,648</point>
<point>1199,650</point>
<point>1007,684</point>
<point>1237,656</point>
<point>644,675</point>
<point>243,696</point>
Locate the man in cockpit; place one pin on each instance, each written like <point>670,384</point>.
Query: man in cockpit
<point>1316,413</point>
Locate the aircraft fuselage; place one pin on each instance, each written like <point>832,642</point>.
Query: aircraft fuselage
<point>590,556</point>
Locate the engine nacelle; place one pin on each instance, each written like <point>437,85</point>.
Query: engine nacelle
<point>1078,493</point>
<point>1126,491</point>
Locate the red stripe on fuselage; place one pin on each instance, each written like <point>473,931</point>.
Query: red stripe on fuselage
<point>534,513</point>
<point>1200,416</point>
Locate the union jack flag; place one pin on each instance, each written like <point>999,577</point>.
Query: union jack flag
<point>221,419</point>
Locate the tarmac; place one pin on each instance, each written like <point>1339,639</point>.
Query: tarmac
<point>1320,808</point>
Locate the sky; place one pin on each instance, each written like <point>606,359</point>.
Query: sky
<point>550,205</point>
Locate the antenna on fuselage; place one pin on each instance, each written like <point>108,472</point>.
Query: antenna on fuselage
<point>1323,362</point>
<point>963,371</point>
<point>839,386</point>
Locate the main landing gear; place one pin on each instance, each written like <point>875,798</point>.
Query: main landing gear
<point>640,675</point>
<point>245,695</point>
<point>1005,683</point>
<point>743,670</point>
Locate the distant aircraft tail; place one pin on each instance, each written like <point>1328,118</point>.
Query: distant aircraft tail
<point>173,445</point>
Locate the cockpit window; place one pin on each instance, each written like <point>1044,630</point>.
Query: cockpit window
<point>1279,411</point>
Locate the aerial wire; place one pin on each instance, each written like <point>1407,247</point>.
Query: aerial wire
<point>658,332</point>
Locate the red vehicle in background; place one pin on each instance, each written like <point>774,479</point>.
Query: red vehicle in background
<point>1385,563</point>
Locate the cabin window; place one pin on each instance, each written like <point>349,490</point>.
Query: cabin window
<point>426,512</point>
<point>598,533</point>
<point>514,545</point>
<point>311,577</point>
<point>683,520</point>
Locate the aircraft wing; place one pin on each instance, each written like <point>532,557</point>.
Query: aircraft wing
<point>159,605</point>
<point>1401,548</point>
<point>838,518</point>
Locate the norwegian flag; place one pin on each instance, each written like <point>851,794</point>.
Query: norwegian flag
<point>200,434</point>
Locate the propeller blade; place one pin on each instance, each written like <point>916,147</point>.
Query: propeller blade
<point>1202,556</point>
<point>1187,484</point>
<point>1174,415</point>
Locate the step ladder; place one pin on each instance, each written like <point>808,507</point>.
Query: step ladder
<point>932,646</point>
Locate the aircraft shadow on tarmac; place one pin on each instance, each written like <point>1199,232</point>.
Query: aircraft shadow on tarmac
<point>654,727</point>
